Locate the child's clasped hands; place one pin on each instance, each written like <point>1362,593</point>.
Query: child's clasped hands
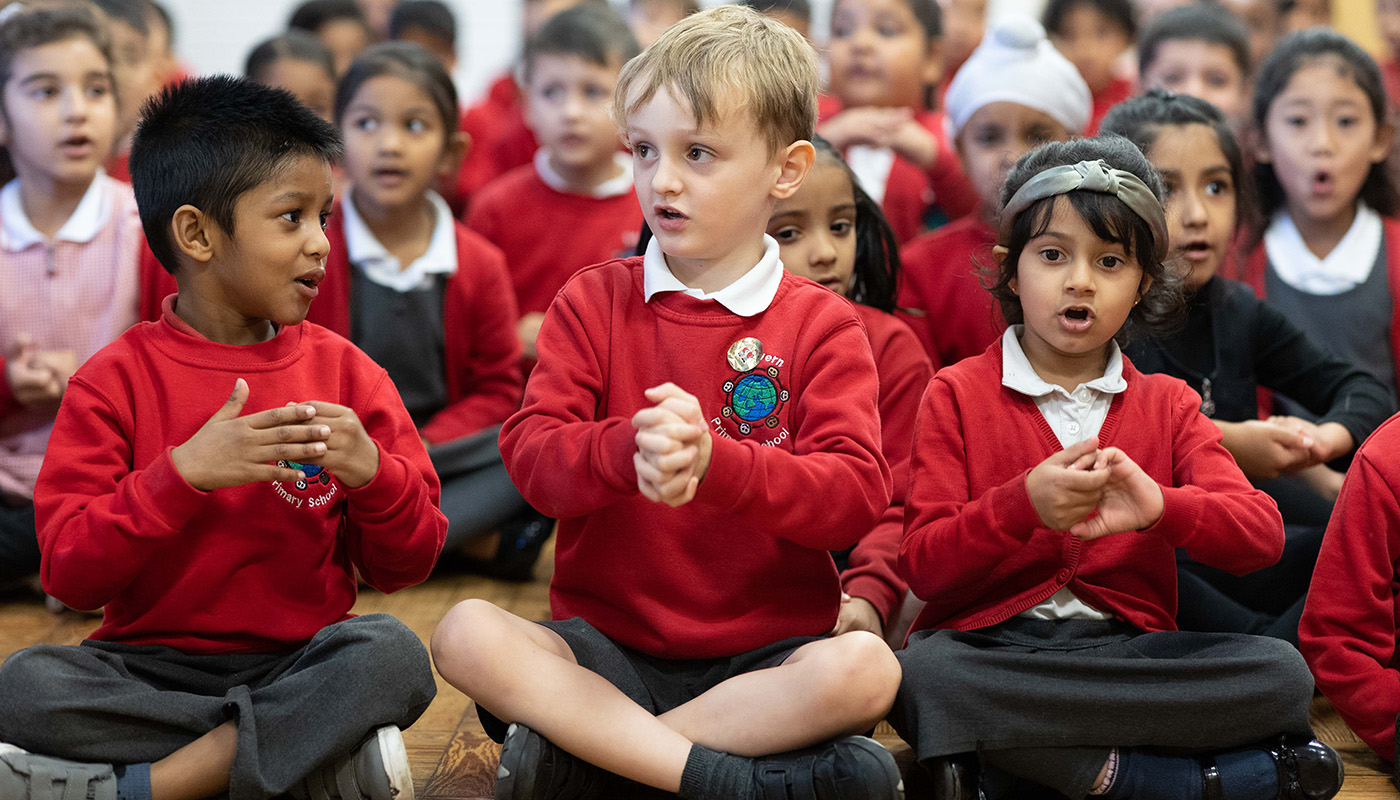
<point>1069,487</point>
<point>673,446</point>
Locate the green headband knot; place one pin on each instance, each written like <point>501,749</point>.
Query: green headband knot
<point>1091,176</point>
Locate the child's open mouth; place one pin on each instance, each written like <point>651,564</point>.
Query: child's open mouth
<point>390,175</point>
<point>77,145</point>
<point>310,281</point>
<point>1196,251</point>
<point>670,220</point>
<point>1077,319</point>
<point>1322,182</point>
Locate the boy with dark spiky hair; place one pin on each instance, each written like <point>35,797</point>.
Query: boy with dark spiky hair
<point>1093,35</point>
<point>224,548</point>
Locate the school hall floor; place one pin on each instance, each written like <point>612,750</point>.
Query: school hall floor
<point>452,758</point>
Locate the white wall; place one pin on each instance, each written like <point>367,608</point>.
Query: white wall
<point>216,35</point>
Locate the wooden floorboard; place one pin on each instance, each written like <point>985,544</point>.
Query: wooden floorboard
<point>451,757</point>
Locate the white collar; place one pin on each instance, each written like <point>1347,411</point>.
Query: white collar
<point>365,251</point>
<point>92,212</point>
<point>612,187</point>
<point>872,167</point>
<point>1348,265</point>
<point>1018,375</point>
<point>748,296</point>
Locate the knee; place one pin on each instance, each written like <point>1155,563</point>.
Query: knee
<point>466,641</point>
<point>860,675</point>
<point>26,679</point>
<point>390,650</point>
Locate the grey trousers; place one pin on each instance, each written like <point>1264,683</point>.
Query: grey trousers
<point>125,704</point>
<point>477,494</point>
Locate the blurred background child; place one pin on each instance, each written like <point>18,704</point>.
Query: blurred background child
<point>426,298</point>
<point>886,62</point>
<point>575,205</point>
<point>796,14</point>
<point>1201,50</point>
<point>300,63</point>
<point>69,241</point>
<point>429,24</point>
<point>1330,250</point>
<point>1014,93</point>
<point>649,18</point>
<point>1094,35</point>
<point>832,232</point>
<point>341,26</point>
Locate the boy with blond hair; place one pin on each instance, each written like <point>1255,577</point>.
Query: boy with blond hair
<point>690,409</point>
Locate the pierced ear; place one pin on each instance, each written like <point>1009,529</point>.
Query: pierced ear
<point>454,152</point>
<point>191,233</point>
<point>794,162</point>
<point>1143,287</point>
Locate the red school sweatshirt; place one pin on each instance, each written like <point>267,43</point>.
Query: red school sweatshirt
<point>904,371</point>
<point>481,352</point>
<point>790,396</point>
<point>960,318</point>
<point>1350,631</point>
<point>247,569</point>
<point>975,548</point>
<point>547,235</point>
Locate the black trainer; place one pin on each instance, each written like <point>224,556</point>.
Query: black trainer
<point>853,768</point>
<point>521,540</point>
<point>533,768</point>
<point>1307,770</point>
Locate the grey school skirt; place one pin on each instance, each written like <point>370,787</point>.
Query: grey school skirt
<point>1027,683</point>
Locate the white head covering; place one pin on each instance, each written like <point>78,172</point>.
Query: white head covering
<point>1016,64</point>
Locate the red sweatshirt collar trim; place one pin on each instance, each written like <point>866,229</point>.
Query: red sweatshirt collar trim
<point>187,344</point>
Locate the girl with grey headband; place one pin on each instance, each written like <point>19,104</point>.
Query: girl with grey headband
<point>1050,485</point>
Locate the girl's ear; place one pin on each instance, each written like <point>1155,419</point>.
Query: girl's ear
<point>1258,143</point>
<point>457,146</point>
<point>1143,286</point>
<point>794,162</point>
<point>1385,138</point>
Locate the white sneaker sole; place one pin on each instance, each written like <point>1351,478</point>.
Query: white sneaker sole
<point>394,755</point>
<point>7,749</point>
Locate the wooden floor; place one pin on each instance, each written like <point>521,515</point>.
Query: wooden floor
<point>453,760</point>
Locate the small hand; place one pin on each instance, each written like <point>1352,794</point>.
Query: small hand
<point>870,126</point>
<point>857,614</point>
<point>1267,449</point>
<point>351,455</point>
<point>1328,441</point>
<point>1064,489</point>
<point>914,143</point>
<point>230,450</point>
<point>31,381</point>
<point>673,446</point>
<point>1131,499</point>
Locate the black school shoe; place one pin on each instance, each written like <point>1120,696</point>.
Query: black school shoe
<point>852,768</point>
<point>534,768</point>
<point>960,777</point>
<point>1307,770</point>
<point>521,540</point>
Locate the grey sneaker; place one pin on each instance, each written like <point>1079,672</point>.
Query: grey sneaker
<point>376,770</point>
<point>25,776</point>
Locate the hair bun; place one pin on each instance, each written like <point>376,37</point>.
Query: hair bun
<point>1018,33</point>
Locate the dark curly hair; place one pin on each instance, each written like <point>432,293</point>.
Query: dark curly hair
<point>1303,49</point>
<point>1161,308</point>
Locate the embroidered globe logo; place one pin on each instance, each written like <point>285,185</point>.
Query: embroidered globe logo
<point>755,397</point>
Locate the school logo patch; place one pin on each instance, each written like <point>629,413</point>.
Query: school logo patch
<point>316,477</point>
<point>755,399</point>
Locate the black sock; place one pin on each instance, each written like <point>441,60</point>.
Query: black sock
<point>1248,775</point>
<point>712,775</point>
<point>134,782</point>
<point>1150,776</point>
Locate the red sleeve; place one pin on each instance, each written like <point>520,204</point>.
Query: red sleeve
<point>917,263</point>
<point>1211,510</point>
<point>393,527</point>
<point>837,448</point>
<point>484,351</point>
<point>873,574</point>
<point>564,460</point>
<point>952,541</point>
<point>98,519</point>
<point>155,285</point>
<point>1348,630</point>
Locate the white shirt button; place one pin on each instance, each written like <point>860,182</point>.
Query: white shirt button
<point>1073,428</point>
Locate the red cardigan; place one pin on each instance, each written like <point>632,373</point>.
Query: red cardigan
<point>796,470</point>
<point>976,550</point>
<point>1350,631</point>
<point>481,351</point>
<point>960,318</point>
<point>1111,95</point>
<point>903,371</point>
<point>1251,270</point>
<point>255,568</point>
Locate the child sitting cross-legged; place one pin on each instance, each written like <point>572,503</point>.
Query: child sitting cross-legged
<point>690,409</point>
